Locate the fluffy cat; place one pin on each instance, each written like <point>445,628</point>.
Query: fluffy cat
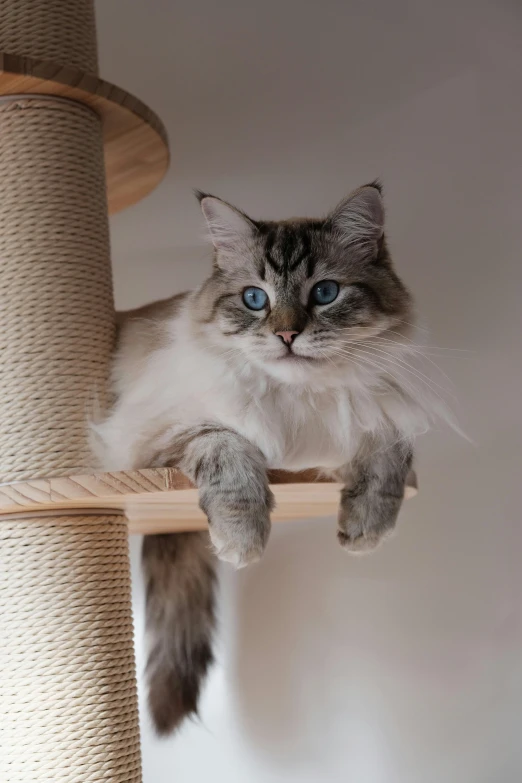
<point>294,353</point>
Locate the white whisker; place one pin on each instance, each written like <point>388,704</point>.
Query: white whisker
<point>407,365</point>
<point>413,343</point>
<point>383,369</point>
<point>379,363</point>
<point>419,353</point>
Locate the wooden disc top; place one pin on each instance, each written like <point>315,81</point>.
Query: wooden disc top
<point>135,140</point>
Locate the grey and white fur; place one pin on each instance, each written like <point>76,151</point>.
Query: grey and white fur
<point>226,392</point>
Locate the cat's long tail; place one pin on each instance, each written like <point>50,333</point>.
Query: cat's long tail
<point>180,581</point>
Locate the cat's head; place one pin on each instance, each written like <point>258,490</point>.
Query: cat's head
<point>298,296</point>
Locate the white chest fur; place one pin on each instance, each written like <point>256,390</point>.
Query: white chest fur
<point>298,429</point>
<point>296,426</point>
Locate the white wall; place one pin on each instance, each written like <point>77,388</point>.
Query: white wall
<point>405,666</point>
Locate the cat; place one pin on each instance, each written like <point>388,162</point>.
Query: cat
<point>294,353</point>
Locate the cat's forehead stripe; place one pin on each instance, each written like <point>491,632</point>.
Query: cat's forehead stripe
<point>269,244</point>
<point>287,246</point>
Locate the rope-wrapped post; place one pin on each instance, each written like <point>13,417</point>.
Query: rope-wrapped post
<point>68,691</point>
<point>68,705</point>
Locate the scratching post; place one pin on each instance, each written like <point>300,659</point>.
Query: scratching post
<point>57,308</point>
<point>68,706</point>
<point>67,685</point>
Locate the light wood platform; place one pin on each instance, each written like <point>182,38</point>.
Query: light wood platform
<point>135,140</point>
<point>162,500</point>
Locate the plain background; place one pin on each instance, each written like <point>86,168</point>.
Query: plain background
<point>405,666</point>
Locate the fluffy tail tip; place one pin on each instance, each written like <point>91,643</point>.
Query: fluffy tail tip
<point>174,695</point>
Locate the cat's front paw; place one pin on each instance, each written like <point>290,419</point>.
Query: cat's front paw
<point>365,522</point>
<point>240,541</point>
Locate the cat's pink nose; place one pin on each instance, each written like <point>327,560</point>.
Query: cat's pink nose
<point>287,337</point>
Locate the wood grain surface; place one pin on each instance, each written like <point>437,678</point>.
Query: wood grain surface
<point>163,499</point>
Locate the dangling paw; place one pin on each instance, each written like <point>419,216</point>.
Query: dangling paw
<point>364,522</point>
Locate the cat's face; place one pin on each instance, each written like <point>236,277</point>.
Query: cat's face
<point>300,297</point>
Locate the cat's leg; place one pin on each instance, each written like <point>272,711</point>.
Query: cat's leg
<point>231,475</point>
<point>372,497</point>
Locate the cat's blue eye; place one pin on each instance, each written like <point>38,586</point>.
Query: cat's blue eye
<point>325,292</point>
<point>255,298</point>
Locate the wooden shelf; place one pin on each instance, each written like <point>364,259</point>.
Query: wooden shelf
<point>135,140</point>
<point>162,500</point>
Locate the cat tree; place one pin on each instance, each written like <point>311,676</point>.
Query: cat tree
<point>73,148</point>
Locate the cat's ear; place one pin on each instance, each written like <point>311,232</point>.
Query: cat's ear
<point>358,221</point>
<point>230,229</point>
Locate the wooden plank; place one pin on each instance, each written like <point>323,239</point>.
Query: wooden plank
<point>163,499</point>
<point>293,501</point>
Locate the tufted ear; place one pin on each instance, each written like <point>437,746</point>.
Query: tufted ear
<point>230,229</point>
<point>358,220</point>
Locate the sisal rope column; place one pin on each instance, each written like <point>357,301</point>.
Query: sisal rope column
<point>59,31</point>
<point>68,699</point>
<point>68,706</point>
<point>56,300</point>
